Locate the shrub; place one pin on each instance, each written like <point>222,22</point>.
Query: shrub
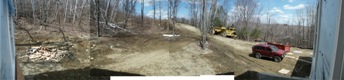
<point>255,33</point>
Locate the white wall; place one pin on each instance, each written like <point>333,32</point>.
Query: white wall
<point>327,57</point>
<point>7,53</point>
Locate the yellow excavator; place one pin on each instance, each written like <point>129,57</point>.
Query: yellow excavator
<point>230,32</point>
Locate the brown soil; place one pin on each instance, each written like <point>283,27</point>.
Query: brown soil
<point>51,36</point>
<point>157,55</point>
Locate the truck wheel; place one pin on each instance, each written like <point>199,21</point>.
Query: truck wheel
<point>257,55</point>
<point>277,59</point>
<point>224,34</point>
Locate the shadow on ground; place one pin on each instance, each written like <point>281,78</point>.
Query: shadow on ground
<point>301,72</point>
<point>248,75</point>
<point>78,74</point>
<point>302,69</point>
<point>103,72</point>
<point>263,58</point>
<point>253,75</point>
<point>227,73</point>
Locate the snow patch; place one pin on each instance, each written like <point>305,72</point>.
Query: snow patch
<point>284,71</point>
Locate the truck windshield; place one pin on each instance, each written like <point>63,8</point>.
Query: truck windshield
<point>273,48</point>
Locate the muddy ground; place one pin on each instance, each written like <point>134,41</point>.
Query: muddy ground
<point>147,54</point>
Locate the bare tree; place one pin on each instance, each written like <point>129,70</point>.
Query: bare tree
<point>98,18</point>
<point>269,34</point>
<point>174,7</point>
<point>245,9</point>
<point>129,7</point>
<point>82,10</point>
<point>114,9</point>
<point>226,8</point>
<point>213,11</point>
<point>107,12</point>
<point>46,12</point>
<point>33,10</point>
<point>153,2</point>
<point>51,12</point>
<point>142,8</point>
<point>160,13</point>
<point>169,13</point>
<point>311,15</point>
<point>75,10</point>
<point>193,12</point>
<point>65,14</point>
<point>203,28</point>
<point>300,21</point>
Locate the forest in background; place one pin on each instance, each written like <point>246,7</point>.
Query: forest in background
<point>204,14</point>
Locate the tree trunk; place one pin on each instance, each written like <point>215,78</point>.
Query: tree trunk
<point>75,11</point>
<point>159,13</point>
<point>98,16</point>
<point>168,14</point>
<point>33,10</point>
<point>57,13</point>
<point>203,41</point>
<point>16,8</point>
<point>65,14</point>
<point>142,8</point>
<point>114,10</point>
<point>106,12</point>
<point>46,8</point>
<point>81,12</point>
<point>153,12</point>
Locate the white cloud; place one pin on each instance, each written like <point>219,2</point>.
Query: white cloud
<point>149,2</point>
<point>300,6</point>
<point>196,1</point>
<point>286,16</point>
<point>278,18</point>
<point>157,13</point>
<point>184,16</point>
<point>289,0</point>
<point>263,17</point>
<point>284,19</point>
<point>276,10</point>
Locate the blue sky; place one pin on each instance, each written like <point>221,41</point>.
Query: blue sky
<point>282,11</point>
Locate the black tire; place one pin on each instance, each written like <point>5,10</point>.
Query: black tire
<point>277,59</point>
<point>224,34</point>
<point>257,55</point>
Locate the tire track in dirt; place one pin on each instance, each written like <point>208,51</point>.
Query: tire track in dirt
<point>242,60</point>
<point>241,51</point>
<point>196,31</point>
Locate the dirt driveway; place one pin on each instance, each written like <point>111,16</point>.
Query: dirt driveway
<point>155,55</point>
<point>240,52</point>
